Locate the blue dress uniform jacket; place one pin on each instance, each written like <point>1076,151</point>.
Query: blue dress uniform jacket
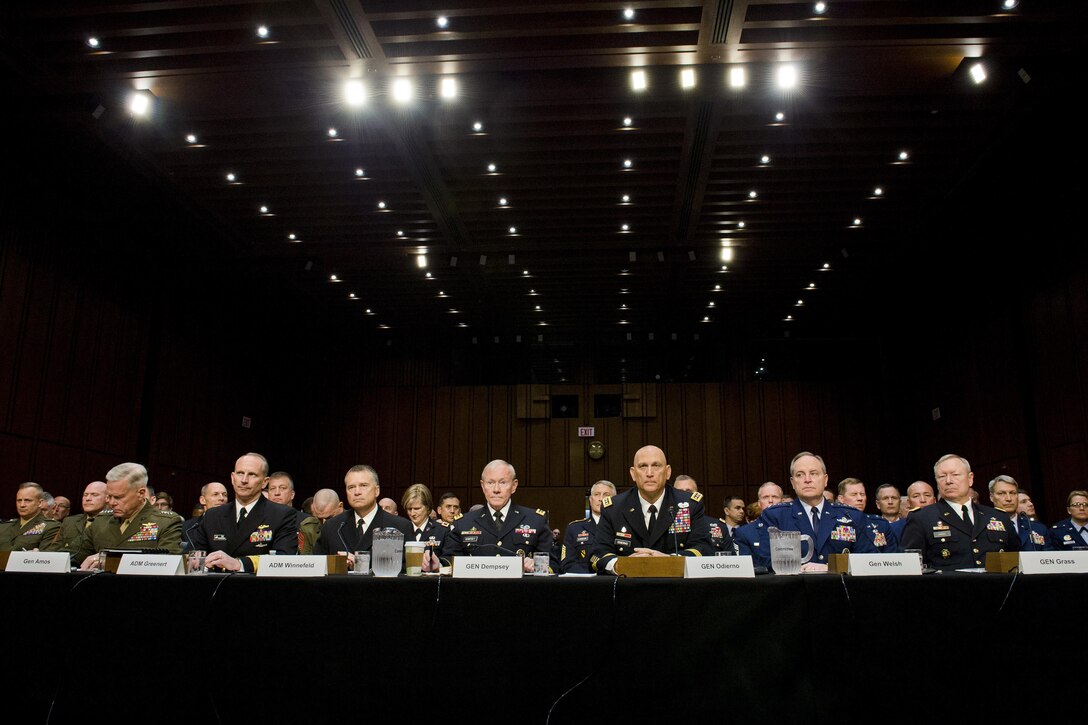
<point>268,527</point>
<point>577,539</point>
<point>880,530</point>
<point>341,534</point>
<point>719,536</point>
<point>897,529</point>
<point>843,529</point>
<point>752,540</point>
<point>524,531</point>
<point>947,543</point>
<point>1064,536</point>
<point>434,533</point>
<point>681,528</point>
<point>1033,535</point>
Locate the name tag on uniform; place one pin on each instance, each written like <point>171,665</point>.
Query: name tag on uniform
<point>292,565</point>
<point>45,562</point>
<point>885,565</point>
<point>487,567</point>
<point>718,567</point>
<point>150,564</point>
<point>1053,562</point>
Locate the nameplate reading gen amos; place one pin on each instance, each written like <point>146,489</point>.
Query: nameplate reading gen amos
<point>885,565</point>
<point>1051,562</point>
<point>487,567</point>
<point>292,565</point>
<point>151,564</point>
<point>48,562</point>
<point>718,567</point>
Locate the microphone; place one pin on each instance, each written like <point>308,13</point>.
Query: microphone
<point>675,540</point>
<point>188,538</point>
<point>341,536</point>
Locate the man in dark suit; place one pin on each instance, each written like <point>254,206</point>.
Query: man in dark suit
<point>1005,496</point>
<point>1072,533</point>
<point>574,554</point>
<point>235,534</point>
<point>353,530</point>
<point>652,519</point>
<point>834,528</point>
<point>956,533</point>
<point>501,527</point>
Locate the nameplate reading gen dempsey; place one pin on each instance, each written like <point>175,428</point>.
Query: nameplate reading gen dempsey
<point>292,565</point>
<point>718,567</point>
<point>885,565</point>
<point>1042,562</point>
<point>47,562</point>
<point>151,564</point>
<point>487,567</point>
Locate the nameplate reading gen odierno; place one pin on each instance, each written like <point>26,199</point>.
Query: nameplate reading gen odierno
<point>487,567</point>
<point>1046,562</point>
<point>718,567</point>
<point>292,565</point>
<point>150,564</point>
<point>885,565</point>
<point>47,562</point>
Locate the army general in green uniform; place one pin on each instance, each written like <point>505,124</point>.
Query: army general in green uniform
<point>71,529</point>
<point>135,523</point>
<point>31,530</point>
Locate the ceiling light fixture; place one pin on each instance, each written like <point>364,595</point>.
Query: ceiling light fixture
<point>787,76</point>
<point>442,21</point>
<point>780,117</point>
<point>447,88</point>
<point>477,127</point>
<point>978,73</point>
<point>92,42</point>
<point>627,163</point>
<point>191,138</point>
<point>262,31</point>
<point>819,8</point>
<point>491,168</point>
<point>355,92</point>
<point>687,78</point>
<point>360,172</point>
<point>627,121</point>
<point>638,80</point>
<point>421,261</point>
<point>139,103</point>
<point>231,178</point>
<point>628,13</point>
<point>738,77</point>
<point>402,90</point>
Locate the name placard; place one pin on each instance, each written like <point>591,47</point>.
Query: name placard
<point>718,567</point>
<point>487,567</point>
<point>47,562</point>
<point>885,565</point>
<point>151,564</point>
<point>292,565</point>
<point>1051,562</point>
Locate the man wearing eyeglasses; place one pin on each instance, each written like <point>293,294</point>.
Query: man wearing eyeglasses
<point>501,528</point>
<point>956,532</point>
<point>1073,532</point>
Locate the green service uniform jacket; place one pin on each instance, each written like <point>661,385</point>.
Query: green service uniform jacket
<point>150,529</point>
<point>37,534</point>
<point>71,531</point>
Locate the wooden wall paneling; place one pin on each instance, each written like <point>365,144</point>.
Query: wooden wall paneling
<point>404,426</point>
<point>32,349</point>
<point>502,406</point>
<point>1065,473</point>
<point>537,453</point>
<point>614,464</point>
<point>57,469</point>
<point>560,433</point>
<point>755,454</point>
<point>59,363</point>
<point>81,378</point>
<point>735,460</point>
<point>93,467</point>
<point>711,422</point>
<point>691,429</point>
<point>131,366</point>
<point>15,467</point>
<point>465,468</point>
<point>14,281</point>
<point>782,422</point>
<point>383,433</point>
<point>442,457</point>
<point>423,443</point>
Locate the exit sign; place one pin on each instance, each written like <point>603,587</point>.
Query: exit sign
<point>586,431</point>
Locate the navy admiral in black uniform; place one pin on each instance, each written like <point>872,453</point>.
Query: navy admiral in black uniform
<point>652,519</point>
<point>1005,496</point>
<point>416,502</point>
<point>834,528</point>
<point>235,534</point>
<point>354,529</point>
<point>956,533</point>
<point>1072,533</point>
<point>574,555</point>
<point>501,528</point>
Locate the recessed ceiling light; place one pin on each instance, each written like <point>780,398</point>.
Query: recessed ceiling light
<point>332,133</point>
<point>627,121</point>
<point>442,294</point>
<point>428,275</point>
<point>710,304</point>
<point>139,103</point>
<point>788,318</point>
<point>447,88</point>
<point>903,156</point>
<point>624,290</point>
<point>727,254</point>
<point>1010,4</point>
<point>360,172</point>
<point>738,77</point>
<point>780,116</point>
<point>627,163</point>
<point>706,319</point>
<point>262,31</point>
<point>400,232</point>
<point>442,21</point>
<point>502,201</point>
<point>402,90</point>
<point>825,267</point>
<point>628,13</point>
<point>354,92</point>
<point>857,221</point>
<point>264,209</point>
<point>231,177</point>
<point>333,278</point>
<point>717,288</point>
<point>92,42</point>
<point>626,198</point>
<point>820,8</point>
<point>624,227</point>
<point>513,230</point>
<point>351,296</point>
<point>638,80</point>
<point>764,159</point>
<point>477,127</point>
<point>421,261</point>
<point>491,168</point>
<point>812,285</point>
<point>537,308</point>
<point>878,191</point>
<point>787,76</point>
<point>687,78</point>
<point>978,73</point>
<point>533,293</point>
<point>524,273</point>
<point>752,194</point>
<point>740,225</point>
<point>381,204</point>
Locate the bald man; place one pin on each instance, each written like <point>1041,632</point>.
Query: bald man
<point>651,519</point>
<point>71,529</point>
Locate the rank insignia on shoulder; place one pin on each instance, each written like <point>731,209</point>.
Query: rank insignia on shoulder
<point>607,501</point>
<point>443,522</point>
<point>542,512</point>
<point>457,516</point>
<point>696,497</point>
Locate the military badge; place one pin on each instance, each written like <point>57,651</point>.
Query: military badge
<point>38,528</point>
<point>696,497</point>
<point>843,520</point>
<point>844,533</point>
<point>879,539</point>
<point>563,552</point>
<point>524,531</point>
<point>682,523</point>
<point>715,531</point>
<point>263,534</point>
<point>995,525</point>
<point>149,531</point>
<point>945,553</point>
<point>1037,539</point>
<point>582,537</point>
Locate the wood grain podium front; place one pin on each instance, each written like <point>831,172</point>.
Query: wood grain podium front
<point>650,566</point>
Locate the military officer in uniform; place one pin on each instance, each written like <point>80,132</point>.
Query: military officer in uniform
<point>752,540</point>
<point>852,493</point>
<point>956,533</point>
<point>501,528</point>
<point>834,528</point>
<point>1005,496</point>
<point>652,519</point>
<point>212,494</point>
<point>32,530</point>
<point>235,534</point>
<point>417,504</point>
<point>1072,533</point>
<point>71,529</point>
<point>354,529</point>
<point>723,529</point>
<point>324,505</point>
<point>574,554</point>
<point>135,523</point>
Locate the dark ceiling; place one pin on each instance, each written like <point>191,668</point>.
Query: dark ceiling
<point>550,84</point>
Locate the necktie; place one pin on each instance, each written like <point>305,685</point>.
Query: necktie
<point>88,522</point>
<point>1084,533</point>
<point>815,520</point>
<point>362,530</point>
<point>966,515</point>
<point>419,534</point>
<point>653,518</point>
<point>241,516</point>
<point>498,520</point>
